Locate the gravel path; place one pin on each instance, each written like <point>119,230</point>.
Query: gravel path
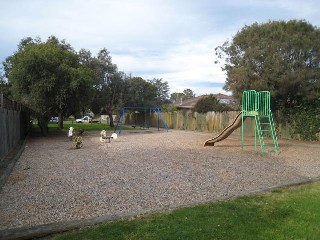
<point>141,172</point>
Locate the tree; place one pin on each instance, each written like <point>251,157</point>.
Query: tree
<point>49,79</point>
<point>179,97</point>
<point>4,86</point>
<point>109,97</point>
<point>139,92</point>
<point>162,91</point>
<point>282,57</point>
<point>176,97</point>
<point>28,41</point>
<point>210,103</point>
<point>187,94</point>
<point>108,82</point>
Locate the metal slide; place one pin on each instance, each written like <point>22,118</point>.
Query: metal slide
<point>226,132</point>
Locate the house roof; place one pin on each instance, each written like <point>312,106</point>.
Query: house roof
<point>190,103</point>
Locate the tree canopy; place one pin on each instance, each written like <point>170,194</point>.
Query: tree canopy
<point>210,103</point>
<point>162,95</point>
<point>278,56</point>
<point>108,82</point>
<point>4,86</point>
<point>114,89</point>
<point>51,78</point>
<point>139,92</point>
<point>178,96</point>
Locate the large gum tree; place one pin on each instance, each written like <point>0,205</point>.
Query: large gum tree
<point>48,78</point>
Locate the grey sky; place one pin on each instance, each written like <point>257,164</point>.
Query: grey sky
<point>169,39</point>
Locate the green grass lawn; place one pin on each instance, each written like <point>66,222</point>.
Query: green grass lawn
<point>84,126</point>
<point>292,213</point>
<point>53,127</point>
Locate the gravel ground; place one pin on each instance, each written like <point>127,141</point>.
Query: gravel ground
<point>141,171</point>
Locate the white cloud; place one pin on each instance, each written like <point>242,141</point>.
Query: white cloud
<point>183,66</point>
<point>173,40</point>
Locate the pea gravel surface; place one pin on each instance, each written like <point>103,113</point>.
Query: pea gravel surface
<point>142,171</point>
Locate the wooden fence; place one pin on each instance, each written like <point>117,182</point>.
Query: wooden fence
<point>210,122</point>
<point>213,122</point>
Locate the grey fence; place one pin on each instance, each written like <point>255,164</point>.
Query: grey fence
<point>14,124</point>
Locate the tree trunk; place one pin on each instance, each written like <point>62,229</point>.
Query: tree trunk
<point>43,124</point>
<point>60,120</point>
<point>111,119</point>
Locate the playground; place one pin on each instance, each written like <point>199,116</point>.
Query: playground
<point>257,106</point>
<point>142,171</point>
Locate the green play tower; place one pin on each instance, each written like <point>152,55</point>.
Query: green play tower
<point>257,105</point>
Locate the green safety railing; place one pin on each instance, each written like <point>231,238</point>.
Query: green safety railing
<point>257,105</point>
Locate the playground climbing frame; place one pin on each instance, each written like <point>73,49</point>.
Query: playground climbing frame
<point>257,105</point>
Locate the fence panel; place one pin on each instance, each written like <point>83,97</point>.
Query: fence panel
<point>9,130</point>
<point>14,124</point>
<point>213,122</point>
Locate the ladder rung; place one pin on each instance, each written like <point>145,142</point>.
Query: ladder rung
<point>266,131</point>
<point>271,151</point>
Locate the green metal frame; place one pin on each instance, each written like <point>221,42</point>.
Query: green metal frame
<point>257,105</point>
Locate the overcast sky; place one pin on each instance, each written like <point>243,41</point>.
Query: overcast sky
<point>169,39</point>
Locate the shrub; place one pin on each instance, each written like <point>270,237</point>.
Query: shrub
<point>210,103</point>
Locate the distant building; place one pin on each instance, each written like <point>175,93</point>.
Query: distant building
<point>190,103</point>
